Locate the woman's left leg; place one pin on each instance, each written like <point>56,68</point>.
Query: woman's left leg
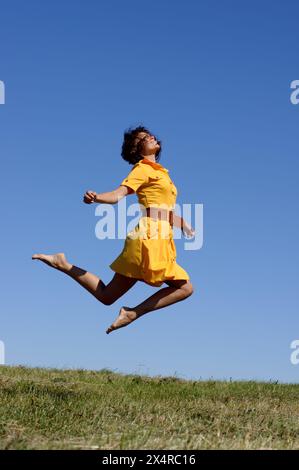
<point>107,294</point>
<point>177,291</point>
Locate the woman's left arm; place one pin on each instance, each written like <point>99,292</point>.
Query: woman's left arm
<point>183,225</point>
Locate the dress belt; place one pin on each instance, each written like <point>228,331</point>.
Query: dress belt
<point>160,213</point>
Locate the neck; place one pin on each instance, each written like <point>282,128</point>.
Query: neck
<point>151,158</point>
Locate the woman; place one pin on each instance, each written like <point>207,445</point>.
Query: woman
<point>149,253</point>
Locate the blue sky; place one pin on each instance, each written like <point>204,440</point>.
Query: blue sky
<point>212,80</point>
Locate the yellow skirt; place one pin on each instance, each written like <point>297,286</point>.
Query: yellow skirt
<point>149,254</point>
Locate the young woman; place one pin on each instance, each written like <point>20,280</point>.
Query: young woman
<point>149,253</point>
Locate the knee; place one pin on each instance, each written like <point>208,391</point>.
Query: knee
<point>187,289</point>
<point>106,300</point>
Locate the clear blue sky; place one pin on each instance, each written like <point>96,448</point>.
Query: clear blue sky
<point>212,80</point>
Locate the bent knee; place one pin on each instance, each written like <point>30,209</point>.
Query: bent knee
<point>107,300</point>
<point>187,288</point>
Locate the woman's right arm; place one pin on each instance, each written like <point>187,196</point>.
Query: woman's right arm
<point>111,197</point>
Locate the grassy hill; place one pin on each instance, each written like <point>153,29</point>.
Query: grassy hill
<point>80,409</point>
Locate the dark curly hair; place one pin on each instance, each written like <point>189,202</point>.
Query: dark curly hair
<point>131,150</point>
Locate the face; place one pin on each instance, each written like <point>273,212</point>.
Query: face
<point>149,143</point>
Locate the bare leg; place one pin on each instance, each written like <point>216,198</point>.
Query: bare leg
<point>107,294</point>
<point>178,290</point>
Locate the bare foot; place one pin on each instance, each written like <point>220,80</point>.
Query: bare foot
<point>57,261</point>
<point>125,316</point>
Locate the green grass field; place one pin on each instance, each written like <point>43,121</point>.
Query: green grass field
<point>80,409</point>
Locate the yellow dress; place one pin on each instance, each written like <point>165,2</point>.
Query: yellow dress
<point>149,252</point>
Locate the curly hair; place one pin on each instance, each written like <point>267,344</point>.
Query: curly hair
<point>131,151</point>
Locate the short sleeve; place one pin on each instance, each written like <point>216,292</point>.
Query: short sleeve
<point>135,178</point>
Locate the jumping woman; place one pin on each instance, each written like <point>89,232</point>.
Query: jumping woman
<point>147,256</point>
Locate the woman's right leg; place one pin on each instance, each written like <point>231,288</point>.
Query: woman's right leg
<point>178,290</point>
<point>107,294</point>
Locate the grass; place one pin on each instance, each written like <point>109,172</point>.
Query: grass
<point>81,409</point>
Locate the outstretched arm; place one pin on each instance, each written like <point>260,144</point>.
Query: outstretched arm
<point>111,197</point>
